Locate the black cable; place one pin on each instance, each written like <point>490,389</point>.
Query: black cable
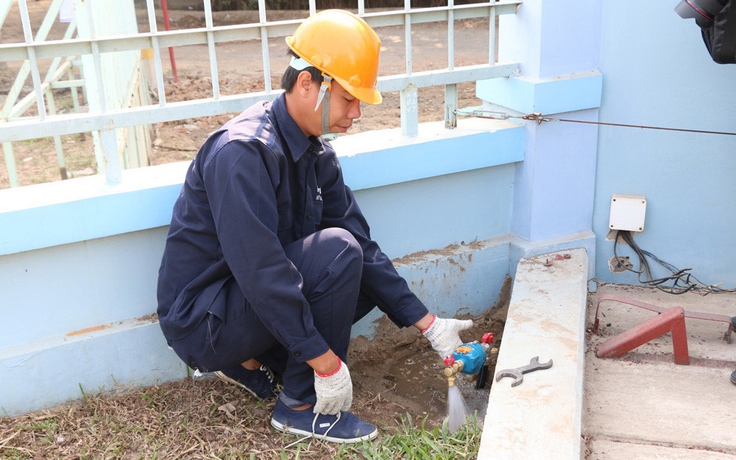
<point>682,280</point>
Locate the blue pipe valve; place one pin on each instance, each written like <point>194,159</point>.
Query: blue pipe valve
<point>468,358</point>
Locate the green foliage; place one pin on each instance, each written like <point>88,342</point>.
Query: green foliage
<point>417,443</point>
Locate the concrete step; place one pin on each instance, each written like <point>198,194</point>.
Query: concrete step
<point>542,417</point>
<point>645,406</point>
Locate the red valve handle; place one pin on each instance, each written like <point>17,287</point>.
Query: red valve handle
<point>487,337</point>
<point>449,361</point>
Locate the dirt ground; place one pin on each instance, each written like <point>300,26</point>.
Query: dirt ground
<point>240,70</point>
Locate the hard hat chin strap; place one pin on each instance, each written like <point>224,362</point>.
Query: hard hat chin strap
<point>324,91</point>
<point>324,98</point>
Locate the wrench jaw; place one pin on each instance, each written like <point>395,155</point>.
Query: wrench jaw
<point>516,375</point>
<point>535,365</point>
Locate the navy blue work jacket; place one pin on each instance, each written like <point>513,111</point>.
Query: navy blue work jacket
<point>255,186</point>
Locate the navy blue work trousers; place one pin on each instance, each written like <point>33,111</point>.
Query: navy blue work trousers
<point>330,262</point>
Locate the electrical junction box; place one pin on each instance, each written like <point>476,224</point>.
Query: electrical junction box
<point>627,212</point>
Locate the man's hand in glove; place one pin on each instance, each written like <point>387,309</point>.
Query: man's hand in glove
<point>334,391</point>
<point>444,336</point>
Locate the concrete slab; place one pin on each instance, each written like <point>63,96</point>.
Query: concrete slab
<point>541,417</point>
<point>652,402</point>
<point>642,405</point>
<point>610,450</point>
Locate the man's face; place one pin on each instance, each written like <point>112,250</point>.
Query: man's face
<point>344,108</point>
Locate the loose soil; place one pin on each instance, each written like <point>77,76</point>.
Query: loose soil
<point>395,374</point>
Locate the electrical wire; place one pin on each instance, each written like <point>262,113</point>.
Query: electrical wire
<point>626,125</point>
<point>682,280</point>
<point>539,118</point>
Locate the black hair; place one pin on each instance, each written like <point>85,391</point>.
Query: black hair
<point>288,79</point>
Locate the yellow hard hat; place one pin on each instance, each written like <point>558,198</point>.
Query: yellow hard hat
<point>343,46</point>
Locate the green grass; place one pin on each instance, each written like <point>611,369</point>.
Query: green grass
<point>418,443</point>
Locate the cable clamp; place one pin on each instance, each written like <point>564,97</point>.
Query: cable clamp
<point>536,116</point>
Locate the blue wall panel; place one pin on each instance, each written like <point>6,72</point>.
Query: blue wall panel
<point>657,72</point>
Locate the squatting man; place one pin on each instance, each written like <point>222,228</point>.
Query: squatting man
<point>269,260</point>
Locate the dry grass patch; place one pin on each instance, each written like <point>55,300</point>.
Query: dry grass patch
<point>197,419</point>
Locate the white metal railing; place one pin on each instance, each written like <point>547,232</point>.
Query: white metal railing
<point>47,123</point>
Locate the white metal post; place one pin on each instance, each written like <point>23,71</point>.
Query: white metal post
<point>214,74</point>
<point>264,45</point>
<point>409,96</point>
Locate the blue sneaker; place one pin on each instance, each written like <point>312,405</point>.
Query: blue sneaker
<point>343,428</point>
<point>261,383</point>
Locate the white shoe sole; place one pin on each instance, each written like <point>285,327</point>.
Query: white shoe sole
<point>291,430</point>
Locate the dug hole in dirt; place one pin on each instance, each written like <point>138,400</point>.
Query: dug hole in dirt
<point>397,372</point>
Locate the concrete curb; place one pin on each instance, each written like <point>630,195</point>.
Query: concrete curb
<point>542,417</point>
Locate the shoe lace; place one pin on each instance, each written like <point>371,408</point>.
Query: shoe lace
<point>277,387</point>
<point>314,423</point>
<point>269,373</point>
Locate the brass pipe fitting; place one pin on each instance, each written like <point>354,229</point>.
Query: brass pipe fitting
<point>451,372</point>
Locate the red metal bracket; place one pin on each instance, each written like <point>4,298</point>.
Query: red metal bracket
<point>672,320</point>
<point>650,307</point>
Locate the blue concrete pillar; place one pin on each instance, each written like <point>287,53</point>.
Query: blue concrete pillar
<point>556,43</point>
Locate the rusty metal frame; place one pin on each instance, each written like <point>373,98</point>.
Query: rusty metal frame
<point>647,306</point>
<point>671,320</point>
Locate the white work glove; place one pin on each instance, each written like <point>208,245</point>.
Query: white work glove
<point>334,391</point>
<point>444,336</point>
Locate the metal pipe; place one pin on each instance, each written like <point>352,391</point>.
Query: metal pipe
<point>165,8</point>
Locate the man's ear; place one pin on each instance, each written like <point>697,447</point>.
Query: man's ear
<point>304,83</point>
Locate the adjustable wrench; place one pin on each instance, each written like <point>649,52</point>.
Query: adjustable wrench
<point>517,374</point>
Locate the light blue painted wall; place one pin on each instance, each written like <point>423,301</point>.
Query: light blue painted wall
<point>552,37</point>
<point>555,185</point>
<point>422,214</point>
<point>657,72</point>
<point>47,372</point>
<point>557,43</point>
<point>80,285</point>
